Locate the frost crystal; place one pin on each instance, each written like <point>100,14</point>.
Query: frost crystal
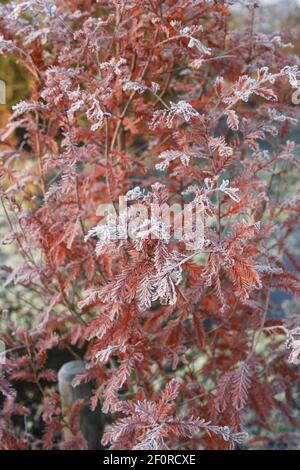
<point>276,116</point>
<point>109,231</point>
<point>199,45</point>
<point>293,343</point>
<point>183,109</point>
<point>170,155</point>
<point>75,107</point>
<point>219,144</point>
<point>24,106</point>
<point>116,66</point>
<point>293,75</point>
<point>135,194</point>
<point>188,32</point>
<point>134,86</point>
<point>95,114</point>
<point>38,6</point>
<point>6,46</point>
<point>155,87</point>
<point>231,192</point>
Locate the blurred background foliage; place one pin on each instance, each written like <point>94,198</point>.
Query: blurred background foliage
<point>16,302</point>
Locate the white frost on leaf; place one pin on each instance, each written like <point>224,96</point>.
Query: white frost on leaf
<point>135,194</point>
<point>109,231</point>
<point>293,344</point>
<point>170,155</point>
<point>116,66</point>
<point>277,116</point>
<point>197,64</point>
<point>6,45</point>
<point>232,119</point>
<point>161,285</point>
<point>157,287</point>
<point>95,115</point>
<point>155,87</point>
<point>231,192</point>
<point>26,106</point>
<point>246,86</point>
<point>193,42</point>
<point>181,109</point>
<point>103,356</point>
<point>134,86</point>
<point>75,107</point>
<point>38,6</point>
<point>219,145</point>
<point>189,32</point>
<point>293,75</point>
<point>278,41</point>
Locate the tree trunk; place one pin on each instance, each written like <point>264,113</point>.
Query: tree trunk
<point>91,422</point>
